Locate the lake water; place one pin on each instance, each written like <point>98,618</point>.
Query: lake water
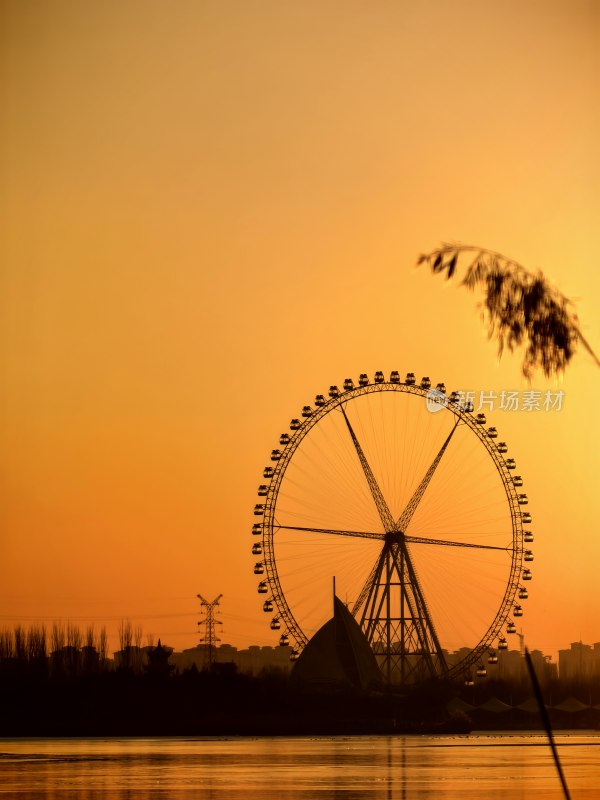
<point>484,766</point>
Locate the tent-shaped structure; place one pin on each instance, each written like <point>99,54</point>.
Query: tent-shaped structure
<point>338,656</point>
<point>494,705</point>
<point>457,704</point>
<point>529,706</point>
<point>571,705</point>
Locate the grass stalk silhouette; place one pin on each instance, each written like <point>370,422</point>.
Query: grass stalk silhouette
<point>522,308</point>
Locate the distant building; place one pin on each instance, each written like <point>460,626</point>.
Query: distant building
<point>511,664</point>
<point>580,662</point>
<point>132,658</point>
<point>255,659</point>
<point>90,659</point>
<point>65,661</point>
<point>544,668</point>
<point>251,661</point>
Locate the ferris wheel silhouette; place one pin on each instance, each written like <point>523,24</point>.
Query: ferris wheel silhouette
<point>403,494</point>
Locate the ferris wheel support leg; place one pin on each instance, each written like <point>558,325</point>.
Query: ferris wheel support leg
<point>425,627</point>
<point>368,615</point>
<point>366,589</point>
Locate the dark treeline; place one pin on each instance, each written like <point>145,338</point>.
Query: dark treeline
<point>61,683</point>
<point>63,652</point>
<point>221,701</point>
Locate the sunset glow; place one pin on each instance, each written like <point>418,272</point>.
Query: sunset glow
<point>211,213</point>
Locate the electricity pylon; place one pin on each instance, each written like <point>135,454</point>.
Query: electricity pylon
<point>210,637</point>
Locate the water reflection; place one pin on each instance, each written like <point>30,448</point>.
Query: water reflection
<point>352,768</point>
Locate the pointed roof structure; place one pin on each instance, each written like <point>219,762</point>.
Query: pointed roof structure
<point>458,704</point>
<point>571,705</point>
<point>494,705</point>
<point>158,660</point>
<point>530,706</point>
<point>338,656</point>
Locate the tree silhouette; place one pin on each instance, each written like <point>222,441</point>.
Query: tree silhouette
<point>522,307</point>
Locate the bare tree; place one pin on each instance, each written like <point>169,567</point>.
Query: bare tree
<point>20,638</point>
<point>137,642</point>
<point>73,636</point>
<point>73,649</point>
<point>57,637</point>
<point>102,648</point>
<point>36,643</point>
<point>7,647</point>
<point>89,637</point>
<point>57,654</point>
<point>130,640</point>
<point>522,308</point>
<point>125,634</point>
<point>89,652</point>
<point>36,651</point>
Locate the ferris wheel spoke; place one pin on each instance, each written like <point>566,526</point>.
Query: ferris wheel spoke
<point>445,542</point>
<point>382,507</point>
<point>356,534</point>
<point>408,513</point>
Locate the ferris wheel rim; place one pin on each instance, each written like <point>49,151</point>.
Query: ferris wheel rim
<point>281,459</point>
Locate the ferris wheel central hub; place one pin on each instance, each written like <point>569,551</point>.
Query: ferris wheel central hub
<point>394,537</point>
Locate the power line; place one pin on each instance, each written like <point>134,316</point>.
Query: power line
<point>89,617</point>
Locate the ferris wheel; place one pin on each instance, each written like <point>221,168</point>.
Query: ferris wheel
<point>401,494</point>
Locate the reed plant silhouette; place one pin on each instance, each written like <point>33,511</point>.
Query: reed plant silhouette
<point>522,308</point>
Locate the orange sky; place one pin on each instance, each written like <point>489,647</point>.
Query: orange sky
<point>210,212</point>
